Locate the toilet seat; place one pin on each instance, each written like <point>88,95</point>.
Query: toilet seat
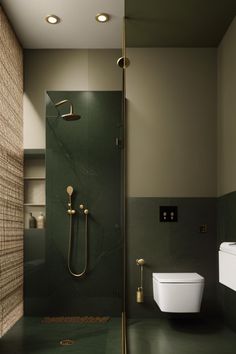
<point>178,277</point>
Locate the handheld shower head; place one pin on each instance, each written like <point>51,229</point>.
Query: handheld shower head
<point>71,115</point>
<point>69,190</point>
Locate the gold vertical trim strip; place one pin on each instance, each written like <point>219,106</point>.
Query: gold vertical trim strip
<point>124,328</point>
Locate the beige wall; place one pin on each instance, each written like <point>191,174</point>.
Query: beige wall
<point>11,177</point>
<point>171,116</point>
<point>171,122</point>
<point>227,112</point>
<point>63,70</point>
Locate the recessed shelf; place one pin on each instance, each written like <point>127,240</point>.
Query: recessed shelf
<point>34,186</point>
<point>35,178</point>
<point>34,153</point>
<point>33,204</point>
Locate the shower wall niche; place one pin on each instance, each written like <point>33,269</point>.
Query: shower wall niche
<point>34,183</point>
<point>86,155</point>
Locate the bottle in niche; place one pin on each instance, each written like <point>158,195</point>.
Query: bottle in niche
<point>40,221</point>
<point>32,221</point>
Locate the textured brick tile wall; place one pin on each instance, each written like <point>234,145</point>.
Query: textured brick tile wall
<point>11,176</point>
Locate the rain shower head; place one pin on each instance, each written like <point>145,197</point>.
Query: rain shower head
<point>71,115</point>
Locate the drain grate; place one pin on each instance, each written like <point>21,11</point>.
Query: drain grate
<point>67,342</point>
<point>75,319</point>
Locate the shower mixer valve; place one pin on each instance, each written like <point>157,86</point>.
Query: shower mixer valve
<point>70,211</point>
<point>84,210</point>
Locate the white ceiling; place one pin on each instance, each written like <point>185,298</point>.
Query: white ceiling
<point>78,28</point>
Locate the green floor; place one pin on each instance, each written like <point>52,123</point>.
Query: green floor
<point>165,336</point>
<point>149,336</point>
<point>30,336</point>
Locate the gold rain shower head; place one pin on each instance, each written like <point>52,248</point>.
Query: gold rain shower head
<point>71,115</point>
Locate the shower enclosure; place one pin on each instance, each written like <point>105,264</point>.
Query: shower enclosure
<point>87,155</point>
<point>84,232</point>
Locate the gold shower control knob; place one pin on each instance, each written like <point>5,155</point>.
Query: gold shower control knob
<point>86,211</point>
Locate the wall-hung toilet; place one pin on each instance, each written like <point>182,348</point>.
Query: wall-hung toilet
<point>178,292</point>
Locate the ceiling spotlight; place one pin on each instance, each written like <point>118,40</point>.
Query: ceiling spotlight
<point>52,19</point>
<point>102,17</point>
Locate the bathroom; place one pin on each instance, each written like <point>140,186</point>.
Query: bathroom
<point>174,146</point>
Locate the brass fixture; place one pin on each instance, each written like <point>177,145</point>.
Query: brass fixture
<point>140,262</point>
<point>123,333</point>
<point>65,342</point>
<point>123,62</point>
<point>139,294</point>
<point>124,349</point>
<point>86,211</point>
<point>102,17</point>
<point>69,190</point>
<point>71,212</point>
<point>71,115</point>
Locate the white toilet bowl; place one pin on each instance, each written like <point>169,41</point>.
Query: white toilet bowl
<point>178,292</point>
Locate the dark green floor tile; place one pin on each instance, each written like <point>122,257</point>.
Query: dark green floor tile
<point>30,336</point>
<point>162,336</point>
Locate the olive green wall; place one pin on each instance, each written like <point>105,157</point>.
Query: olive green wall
<point>227,112</point>
<point>227,158</point>
<point>226,225</point>
<point>171,247</point>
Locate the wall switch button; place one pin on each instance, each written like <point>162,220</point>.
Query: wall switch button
<point>168,214</point>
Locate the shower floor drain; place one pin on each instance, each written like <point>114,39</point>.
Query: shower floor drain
<point>67,342</point>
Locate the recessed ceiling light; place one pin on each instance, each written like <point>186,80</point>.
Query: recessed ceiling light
<point>102,17</point>
<point>52,19</point>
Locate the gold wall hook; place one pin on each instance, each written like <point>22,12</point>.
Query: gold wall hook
<point>140,262</point>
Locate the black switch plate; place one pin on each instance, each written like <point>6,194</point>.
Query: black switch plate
<point>168,213</point>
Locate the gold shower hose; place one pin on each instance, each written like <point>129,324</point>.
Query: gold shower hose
<point>85,244</point>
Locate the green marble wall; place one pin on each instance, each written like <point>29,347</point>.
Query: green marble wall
<point>171,247</point>
<point>226,218</point>
<point>82,154</point>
